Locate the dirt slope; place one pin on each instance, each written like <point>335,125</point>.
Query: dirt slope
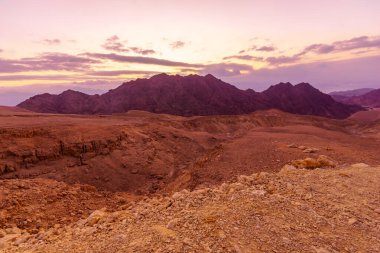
<point>322,210</point>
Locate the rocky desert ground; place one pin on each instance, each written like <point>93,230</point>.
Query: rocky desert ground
<point>268,181</point>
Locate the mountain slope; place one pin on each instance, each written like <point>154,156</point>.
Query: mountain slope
<point>178,95</point>
<point>370,99</point>
<point>191,95</point>
<point>305,99</point>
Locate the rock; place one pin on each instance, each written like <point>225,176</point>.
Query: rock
<point>172,223</point>
<point>95,217</point>
<point>311,163</point>
<point>321,250</point>
<point>310,150</point>
<point>177,195</point>
<point>13,230</point>
<point>21,240</point>
<point>292,145</point>
<point>352,221</point>
<point>359,165</point>
<point>325,161</point>
<point>302,147</point>
<point>164,232</point>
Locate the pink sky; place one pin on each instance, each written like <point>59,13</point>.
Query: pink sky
<point>95,45</point>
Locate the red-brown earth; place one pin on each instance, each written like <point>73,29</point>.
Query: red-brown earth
<point>56,169</point>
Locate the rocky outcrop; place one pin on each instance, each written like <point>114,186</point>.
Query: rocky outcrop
<point>295,210</point>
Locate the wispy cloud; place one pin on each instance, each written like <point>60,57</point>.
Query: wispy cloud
<point>327,75</point>
<point>113,43</point>
<point>258,48</point>
<point>177,44</point>
<point>244,57</point>
<point>51,42</point>
<point>141,51</point>
<point>121,72</point>
<point>343,45</point>
<point>47,61</point>
<point>247,50</point>
<point>226,69</point>
<point>282,59</point>
<point>266,49</point>
<point>362,43</point>
<point>141,60</point>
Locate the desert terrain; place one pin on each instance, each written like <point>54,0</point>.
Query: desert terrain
<point>57,170</point>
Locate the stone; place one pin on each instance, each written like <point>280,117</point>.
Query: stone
<point>352,221</point>
<point>95,217</point>
<point>2,233</point>
<point>321,250</point>
<point>173,223</point>
<point>309,150</point>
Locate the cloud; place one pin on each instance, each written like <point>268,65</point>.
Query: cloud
<point>47,61</point>
<point>121,72</point>
<point>177,44</point>
<point>244,57</point>
<point>247,50</point>
<point>226,69</point>
<point>362,42</point>
<point>259,49</point>
<point>138,50</point>
<point>113,43</point>
<point>327,76</point>
<point>279,60</point>
<point>343,45</point>
<point>52,42</point>
<point>266,49</point>
<point>32,77</point>
<point>141,60</point>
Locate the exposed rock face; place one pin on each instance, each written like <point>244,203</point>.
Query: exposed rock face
<point>191,95</point>
<point>295,210</point>
<point>370,99</point>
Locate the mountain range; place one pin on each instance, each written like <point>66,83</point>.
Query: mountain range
<point>369,98</point>
<point>351,93</point>
<point>192,95</point>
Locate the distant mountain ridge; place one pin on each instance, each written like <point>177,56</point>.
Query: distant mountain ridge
<point>351,93</point>
<point>192,95</point>
<point>369,99</point>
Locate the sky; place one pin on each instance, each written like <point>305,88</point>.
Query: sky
<point>93,46</point>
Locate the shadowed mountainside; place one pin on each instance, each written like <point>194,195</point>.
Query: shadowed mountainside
<point>191,95</point>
